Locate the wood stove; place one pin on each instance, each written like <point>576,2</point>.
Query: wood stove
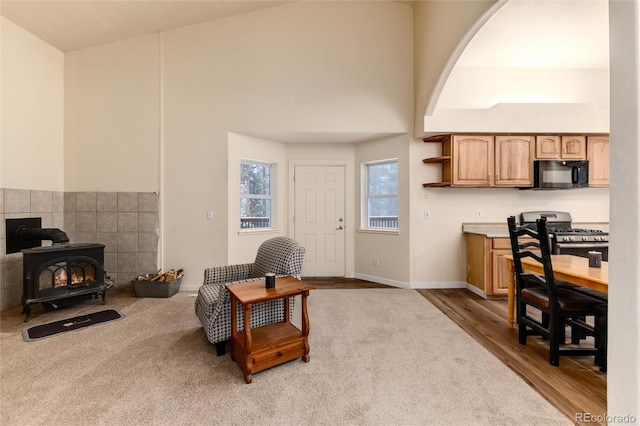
<point>62,271</point>
<point>55,272</point>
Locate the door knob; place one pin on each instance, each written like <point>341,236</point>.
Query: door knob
<point>339,228</point>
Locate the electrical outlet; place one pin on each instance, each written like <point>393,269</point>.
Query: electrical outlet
<point>478,214</point>
<point>210,214</point>
<point>427,214</point>
<point>574,214</point>
<point>376,262</point>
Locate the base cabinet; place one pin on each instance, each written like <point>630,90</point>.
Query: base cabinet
<point>486,266</point>
<point>499,272</point>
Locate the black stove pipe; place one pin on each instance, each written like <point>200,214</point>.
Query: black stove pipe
<point>56,235</point>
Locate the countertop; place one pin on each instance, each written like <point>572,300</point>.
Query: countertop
<point>499,230</point>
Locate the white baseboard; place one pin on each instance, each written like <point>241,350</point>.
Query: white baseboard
<point>475,290</point>
<point>418,285</point>
<point>385,281</point>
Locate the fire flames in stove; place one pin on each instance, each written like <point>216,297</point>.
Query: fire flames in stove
<point>57,275</point>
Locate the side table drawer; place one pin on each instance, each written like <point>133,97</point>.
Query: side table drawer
<point>274,356</point>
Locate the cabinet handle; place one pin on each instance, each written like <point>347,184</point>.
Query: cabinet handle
<point>497,177</point>
<point>489,178</point>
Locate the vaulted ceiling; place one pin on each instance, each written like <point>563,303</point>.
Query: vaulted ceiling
<point>71,25</point>
<point>524,32</point>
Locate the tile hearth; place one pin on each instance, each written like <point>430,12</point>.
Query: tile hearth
<point>125,222</point>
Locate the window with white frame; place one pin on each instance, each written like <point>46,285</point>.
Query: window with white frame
<point>256,195</point>
<point>380,204</point>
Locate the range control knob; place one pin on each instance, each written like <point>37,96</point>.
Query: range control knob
<point>585,238</point>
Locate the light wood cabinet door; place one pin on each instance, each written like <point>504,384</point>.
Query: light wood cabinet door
<point>561,147</point>
<point>573,147</point>
<point>514,160</point>
<point>499,272</point>
<point>478,248</point>
<point>598,156</point>
<point>472,160</point>
<point>547,147</point>
<point>486,266</point>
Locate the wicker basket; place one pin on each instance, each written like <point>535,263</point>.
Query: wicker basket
<point>156,289</point>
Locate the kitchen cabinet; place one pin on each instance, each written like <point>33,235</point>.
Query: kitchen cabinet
<point>566,147</point>
<point>472,160</point>
<point>514,161</point>
<point>484,160</point>
<point>486,266</point>
<point>503,160</point>
<point>598,156</point>
<point>499,272</point>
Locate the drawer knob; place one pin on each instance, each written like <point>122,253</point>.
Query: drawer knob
<point>279,353</point>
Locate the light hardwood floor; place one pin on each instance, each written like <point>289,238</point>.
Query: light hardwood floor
<point>575,387</point>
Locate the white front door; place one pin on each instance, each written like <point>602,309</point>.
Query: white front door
<point>319,213</point>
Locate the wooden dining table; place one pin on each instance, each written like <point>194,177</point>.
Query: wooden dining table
<point>566,267</point>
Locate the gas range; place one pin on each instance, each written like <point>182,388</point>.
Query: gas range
<point>564,238</point>
<point>577,234</point>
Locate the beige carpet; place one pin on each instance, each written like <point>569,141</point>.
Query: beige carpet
<point>378,357</point>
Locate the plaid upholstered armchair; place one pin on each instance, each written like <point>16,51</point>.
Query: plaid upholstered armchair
<point>281,256</point>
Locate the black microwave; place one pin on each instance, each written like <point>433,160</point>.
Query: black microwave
<point>559,174</point>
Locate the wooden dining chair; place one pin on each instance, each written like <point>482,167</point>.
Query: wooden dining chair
<point>556,304</point>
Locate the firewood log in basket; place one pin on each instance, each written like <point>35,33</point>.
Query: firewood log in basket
<point>160,277</point>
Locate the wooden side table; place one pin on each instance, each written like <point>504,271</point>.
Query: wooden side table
<point>273,344</point>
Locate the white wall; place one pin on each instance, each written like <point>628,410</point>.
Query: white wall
<point>391,249</point>
<point>439,28</point>
<point>522,100</point>
<point>485,87</point>
<point>302,67</point>
<point>112,116</point>
<point>623,377</point>
<point>243,245</point>
<point>526,70</point>
<point>32,108</point>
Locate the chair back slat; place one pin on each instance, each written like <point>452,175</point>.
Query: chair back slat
<point>533,243</point>
<point>545,251</point>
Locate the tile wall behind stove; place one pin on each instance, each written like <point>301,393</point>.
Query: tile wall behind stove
<point>127,223</point>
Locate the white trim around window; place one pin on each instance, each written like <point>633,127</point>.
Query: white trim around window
<point>379,204</point>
